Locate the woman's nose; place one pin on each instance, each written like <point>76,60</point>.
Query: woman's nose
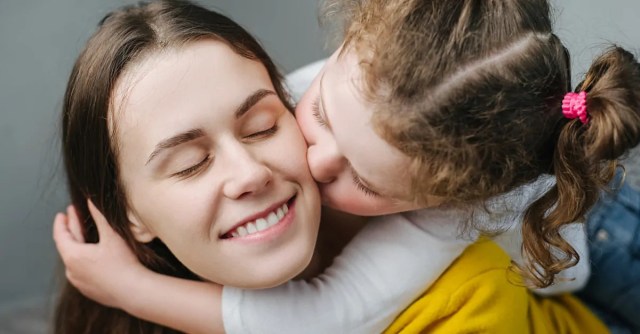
<point>325,162</point>
<point>248,175</point>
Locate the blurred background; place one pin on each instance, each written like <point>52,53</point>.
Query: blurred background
<point>39,40</point>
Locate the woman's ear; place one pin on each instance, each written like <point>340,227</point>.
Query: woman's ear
<point>140,231</point>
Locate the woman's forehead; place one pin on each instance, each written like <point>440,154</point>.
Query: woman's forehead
<point>201,65</point>
<point>182,89</point>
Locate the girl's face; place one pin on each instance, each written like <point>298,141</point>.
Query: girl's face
<point>214,165</point>
<point>357,171</point>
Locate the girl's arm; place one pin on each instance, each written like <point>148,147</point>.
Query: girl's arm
<point>379,273</point>
<point>109,273</point>
<point>185,305</point>
<point>385,267</point>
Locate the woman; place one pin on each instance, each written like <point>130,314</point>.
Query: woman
<point>135,144</point>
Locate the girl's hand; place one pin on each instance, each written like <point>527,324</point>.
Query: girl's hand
<point>109,273</point>
<point>105,271</point>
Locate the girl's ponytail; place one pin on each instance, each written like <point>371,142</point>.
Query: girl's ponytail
<point>613,101</point>
<point>585,159</point>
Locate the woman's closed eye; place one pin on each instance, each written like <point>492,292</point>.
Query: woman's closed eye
<point>264,133</point>
<point>194,169</point>
<point>190,171</point>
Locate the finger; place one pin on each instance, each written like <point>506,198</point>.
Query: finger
<point>73,224</point>
<point>64,240</point>
<point>59,226</point>
<point>72,279</point>
<point>104,229</point>
<point>69,276</point>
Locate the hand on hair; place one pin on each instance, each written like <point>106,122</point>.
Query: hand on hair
<point>105,271</point>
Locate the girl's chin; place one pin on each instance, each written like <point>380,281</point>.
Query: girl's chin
<point>363,205</point>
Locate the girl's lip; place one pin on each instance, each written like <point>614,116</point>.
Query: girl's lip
<point>255,216</point>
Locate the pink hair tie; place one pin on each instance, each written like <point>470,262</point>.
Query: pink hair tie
<point>574,105</point>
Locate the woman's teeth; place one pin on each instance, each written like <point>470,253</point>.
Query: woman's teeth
<point>261,224</point>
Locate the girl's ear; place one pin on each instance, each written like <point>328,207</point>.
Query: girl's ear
<point>140,231</point>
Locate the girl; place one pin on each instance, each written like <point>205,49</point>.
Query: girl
<point>526,185</point>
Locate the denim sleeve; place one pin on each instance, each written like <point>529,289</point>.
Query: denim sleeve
<point>614,233</point>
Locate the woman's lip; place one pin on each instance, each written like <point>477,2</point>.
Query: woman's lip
<point>261,214</point>
<point>273,231</point>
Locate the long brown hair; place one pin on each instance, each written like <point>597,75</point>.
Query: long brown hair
<point>125,37</point>
<point>472,92</point>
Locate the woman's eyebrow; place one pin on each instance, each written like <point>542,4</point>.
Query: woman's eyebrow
<point>174,141</point>
<point>251,100</point>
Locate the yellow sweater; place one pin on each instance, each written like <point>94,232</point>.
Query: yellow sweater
<point>477,295</point>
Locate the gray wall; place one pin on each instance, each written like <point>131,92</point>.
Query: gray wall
<point>39,40</point>
<point>585,26</point>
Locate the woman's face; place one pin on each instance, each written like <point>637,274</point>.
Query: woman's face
<point>357,171</point>
<point>214,165</point>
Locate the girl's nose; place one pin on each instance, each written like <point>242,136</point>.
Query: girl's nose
<point>325,162</point>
